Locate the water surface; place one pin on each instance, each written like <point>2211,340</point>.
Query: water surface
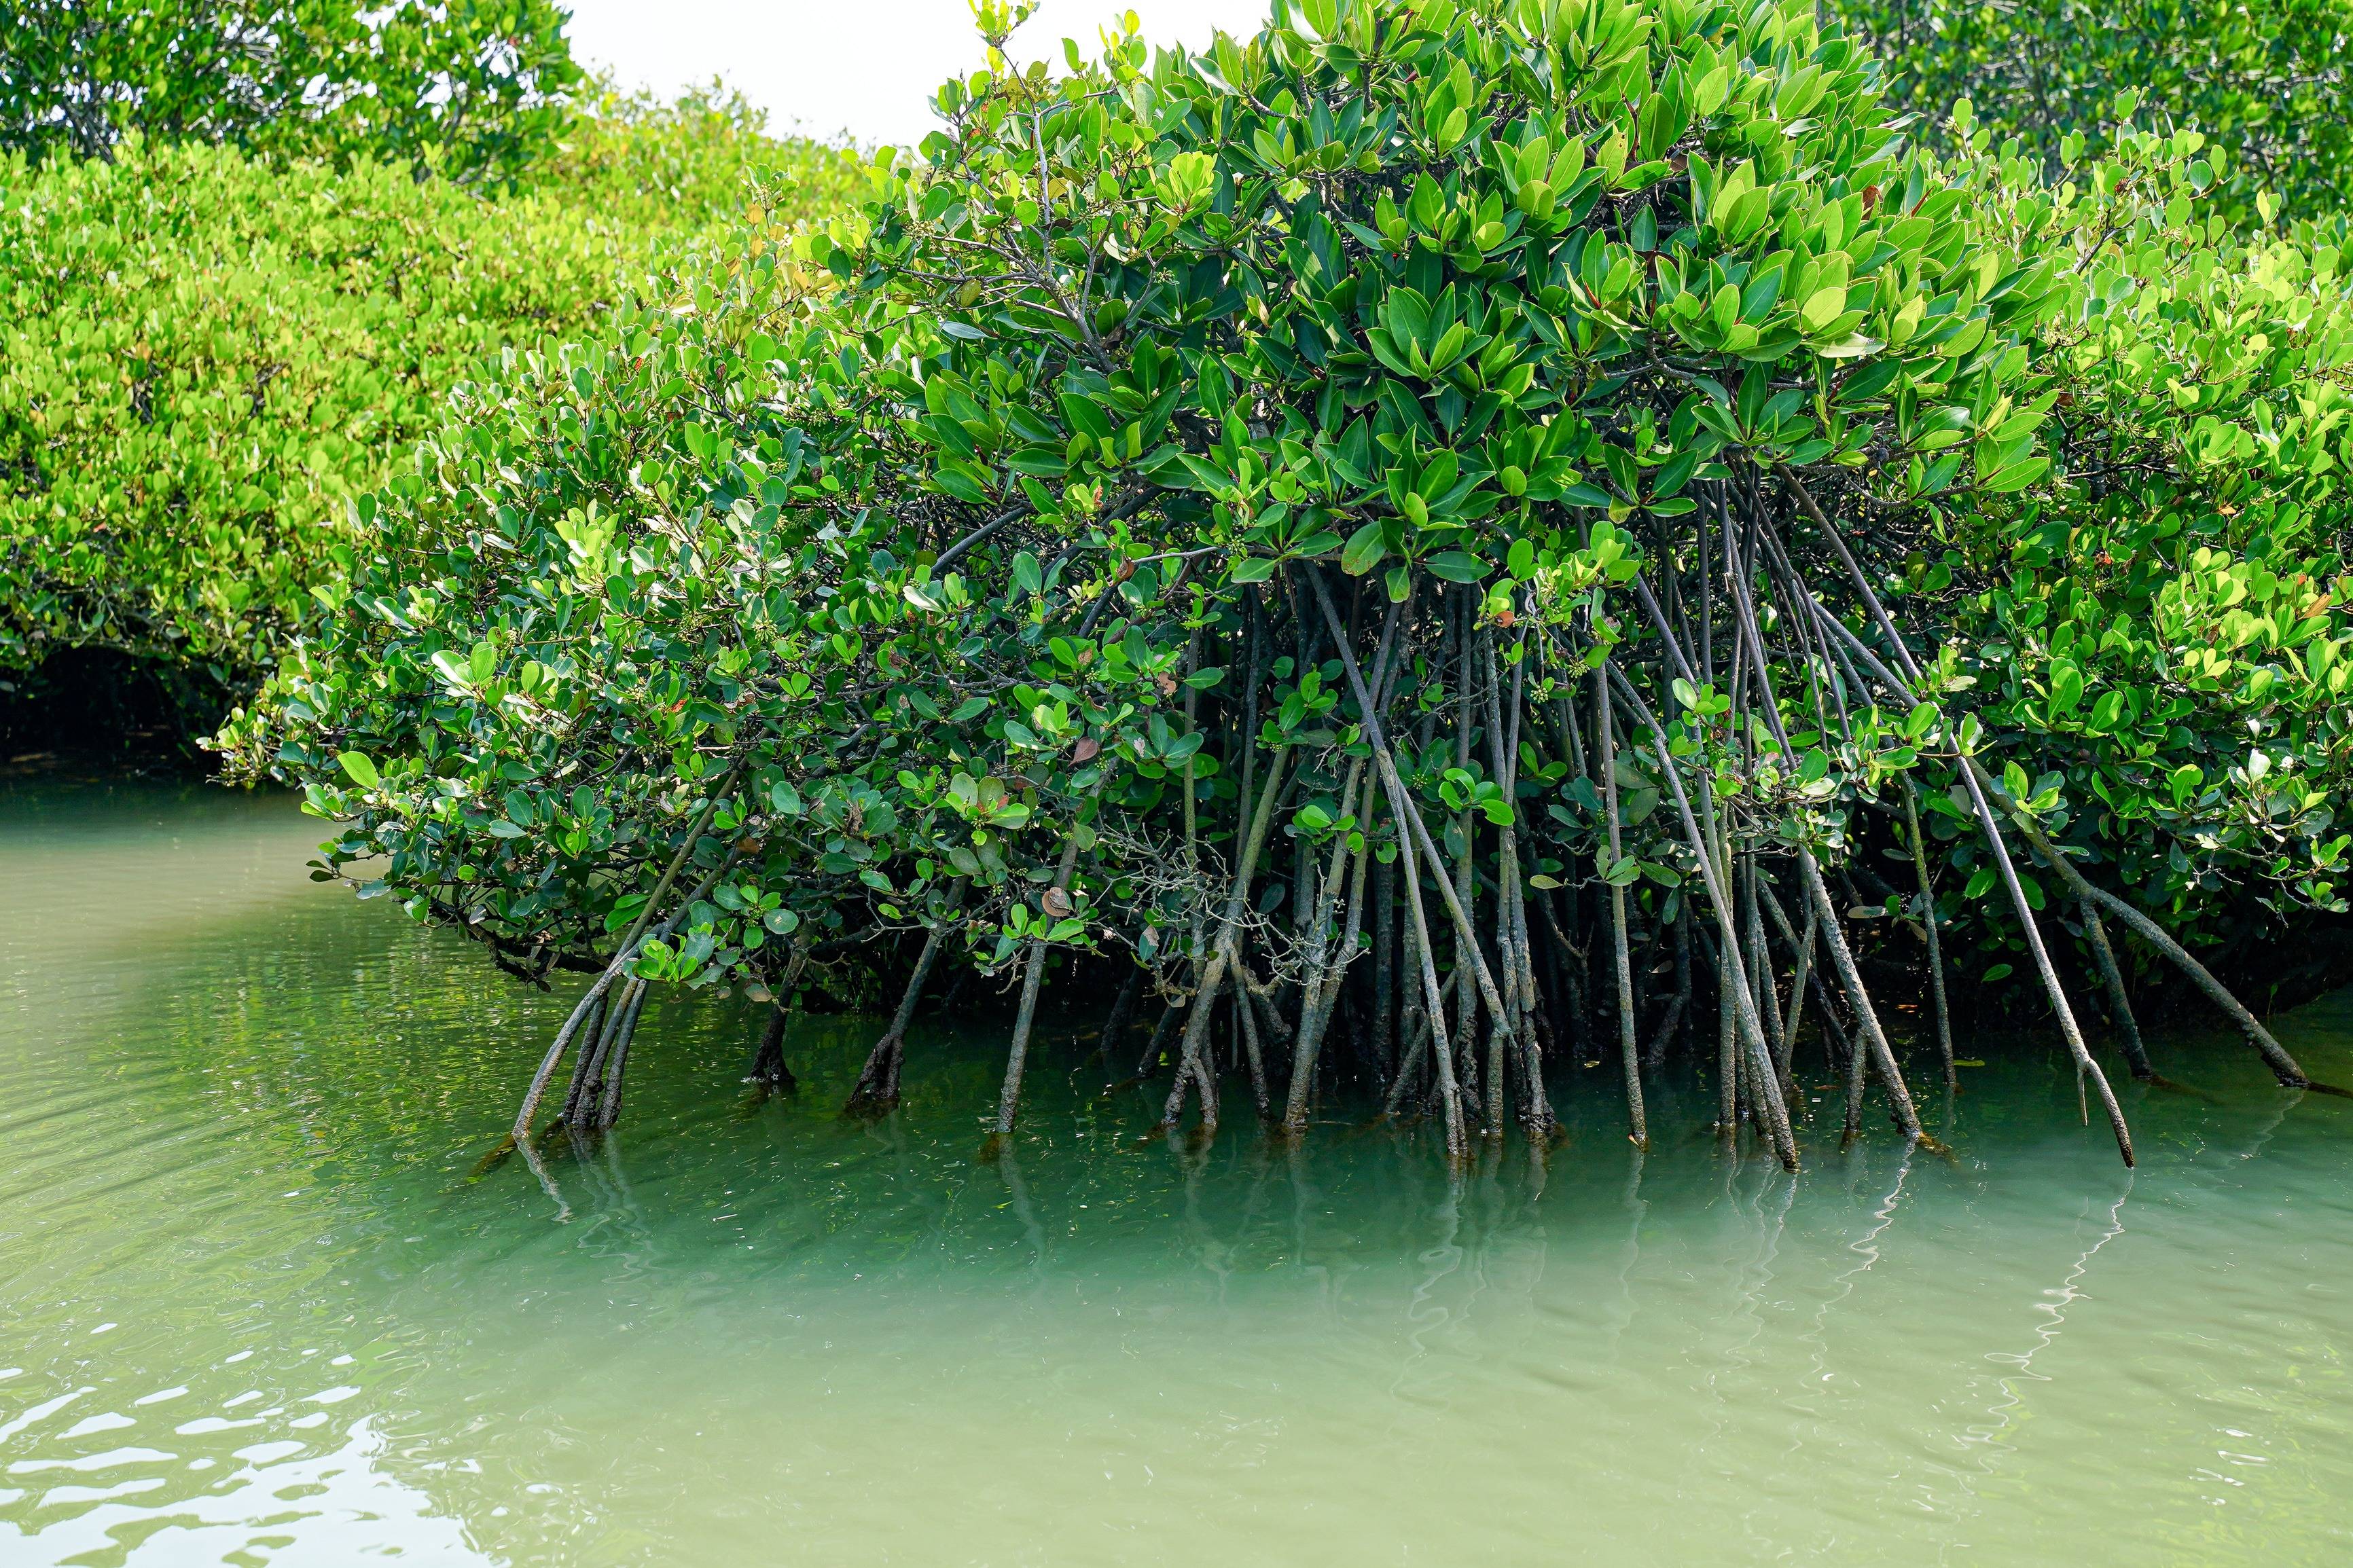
<point>257,1307</point>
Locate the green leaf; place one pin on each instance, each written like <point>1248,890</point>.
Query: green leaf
<point>2066,689</point>
<point>961,486</point>
<point>2018,476</point>
<point>362,771</point>
<point>1027,573</point>
<point>1457,567</point>
<point>1366,547</point>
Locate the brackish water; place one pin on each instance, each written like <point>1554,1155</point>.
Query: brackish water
<point>255,1305</point>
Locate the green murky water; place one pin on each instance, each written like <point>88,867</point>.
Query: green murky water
<point>253,1307</point>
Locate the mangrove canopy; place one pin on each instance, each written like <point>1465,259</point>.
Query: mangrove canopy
<point>1427,539</point>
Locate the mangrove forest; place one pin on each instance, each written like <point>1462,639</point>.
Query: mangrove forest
<point>1424,543</point>
<point>1426,780</point>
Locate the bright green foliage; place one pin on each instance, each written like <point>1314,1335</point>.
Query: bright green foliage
<point>670,167</point>
<point>204,358</point>
<point>2265,80</point>
<point>1367,296</point>
<point>1469,313</point>
<point>507,626</point>
<point>2167,630</point>
<point>473,89</point>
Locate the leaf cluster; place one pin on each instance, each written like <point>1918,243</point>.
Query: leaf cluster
<point>474,89</point>
<point>2264,79</point>
<point>205,358</point>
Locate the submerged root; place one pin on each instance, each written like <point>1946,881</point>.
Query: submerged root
<point>876,1090</point>
<point>1687,832</point>
<point>2284,1066</point>
<point>768,1069</point>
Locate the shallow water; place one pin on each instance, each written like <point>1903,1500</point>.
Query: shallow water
<point>255,1307</point>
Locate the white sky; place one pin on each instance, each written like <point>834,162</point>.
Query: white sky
<point>864,66</point>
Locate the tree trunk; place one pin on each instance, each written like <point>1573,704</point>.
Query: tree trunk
<point>2119,1004</point>
<point>1008,1097</point>
<point>1637,1124</point>
<point>877,1090</point>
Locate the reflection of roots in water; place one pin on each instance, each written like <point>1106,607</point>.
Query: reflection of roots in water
<point>2003,1412</point>
<point>1750,1278</point>
<point>1866,1250</point>
<point>1423,1311</point>
<point>1008,1170</point>
<point>1631,1253</point>
<point>538,1168</point>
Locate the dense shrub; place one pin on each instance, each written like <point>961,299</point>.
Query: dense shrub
<point>2265,80</point>
<point>667,169</point>
<point>1034,590</point>
<point>2163,625</point>
<point>473,89</point>
<point>205,357</point>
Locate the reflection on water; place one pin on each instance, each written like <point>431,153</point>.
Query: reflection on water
<point>256,1306</point>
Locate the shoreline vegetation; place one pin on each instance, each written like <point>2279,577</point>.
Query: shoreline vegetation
<point>1386,535</point>
<point>213,346</point>
<point>1422,542</point>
